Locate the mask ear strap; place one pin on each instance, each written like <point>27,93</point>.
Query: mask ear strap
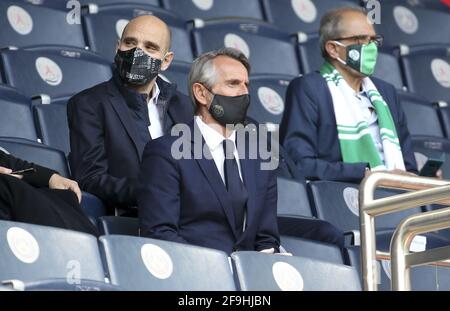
<point>338,58</point>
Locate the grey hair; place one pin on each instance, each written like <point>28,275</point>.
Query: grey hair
<point>330,26</point>
<point>203,70</point>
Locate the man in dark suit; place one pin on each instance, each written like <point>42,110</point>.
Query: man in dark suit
<point>111,123</point>
<point>34,194</point>
<point>341,123</point>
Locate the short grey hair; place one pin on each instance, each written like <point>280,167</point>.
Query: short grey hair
<point>331,28</point>
<point>203,70</point>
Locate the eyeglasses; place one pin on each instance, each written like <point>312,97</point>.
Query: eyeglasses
<point>364,39</point>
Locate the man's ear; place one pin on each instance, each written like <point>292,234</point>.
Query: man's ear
<point>118,45</point>
<point>167,61</point>
<point>332,50</point>
<point>200,93</point>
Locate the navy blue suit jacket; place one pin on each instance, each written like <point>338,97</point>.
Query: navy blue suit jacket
<point>309,132</point>
<point>106,146</point>
<point>186,200</point>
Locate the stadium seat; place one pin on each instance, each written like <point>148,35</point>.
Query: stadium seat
<point>312,249</point>
<point>407,25</point>
<point>16,119</point>
<point>423,278</point>
<point>42,255</point>
<point>192,9</point>
<point>301,15</point>
<point>54,71</point>
<point>64,4</point>
<point>93,207</point>
<point>36,153</point>
<point>421,115</point>
<point>161,265</point>
<point>265,272</point>
<point>104,27</point>
<point>178,73</point>
<point>427,71</point>
<point>432,147</point>
<point>269,50</point>
<point>267,94</point>
<point>51,123</point>
<point>310,57</point>
<point>24,24</point>
<point>118,225</point>
<point>426,4</point>
<point>337,203</point>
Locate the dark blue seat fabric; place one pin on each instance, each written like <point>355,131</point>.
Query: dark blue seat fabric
<point>93,207</point>
<point>427,71</point>
<point>68,5</point>
<point>37,153</point>
<point>269,50</point>
<point>16,119</point>
<point>421,115</point>
<point>24,24</point>
<point>104,28</point>
<point>53,70</point>
<point>312,249</point>
<point>61,284</point>
<point>118,225</point>
<point>301,15</point>
<point>432,147</point>
<point>266,272</point>
<point>31,253</point>
<point>161,265</point>
<point>267,94</point>
<point>190,10</point>
<point>408,25</point>
<point>178,73</point>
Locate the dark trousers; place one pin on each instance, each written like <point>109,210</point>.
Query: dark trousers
<point>22,202</point>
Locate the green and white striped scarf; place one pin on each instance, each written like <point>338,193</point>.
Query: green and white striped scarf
<point>357,145</point>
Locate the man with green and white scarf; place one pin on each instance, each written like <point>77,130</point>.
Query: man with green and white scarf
<point>341,123</point>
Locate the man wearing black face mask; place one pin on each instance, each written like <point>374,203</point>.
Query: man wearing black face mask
<point>111,123</point>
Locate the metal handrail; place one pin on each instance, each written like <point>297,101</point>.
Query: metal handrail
<point>427,191</point>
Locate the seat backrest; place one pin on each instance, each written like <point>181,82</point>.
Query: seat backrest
<point>163,265</point>
<point>178,73</point>
<point>432,147</point>
<point>51,122</point>
<point>268,49</point>
<point>32,253</point>
<point>62,4</point>
<point>267,94</point>
<point>24,24</point>
<point>264,272</point>
<point>300,15</point>
<point>191,9</point>
<point>53,70</point>
<point>292,198</point>
<point>105,26</point>
<point>312,249</point>
<point>16,119</point>
<point>427,71</point>
<point>36,153</point>
<point>421,115</point>
<point>119,225</point>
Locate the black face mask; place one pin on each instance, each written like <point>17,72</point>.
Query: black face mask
<point>229,109</point>
<point>135,67</point>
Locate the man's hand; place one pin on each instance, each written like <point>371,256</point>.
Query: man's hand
<point>8,171</point>
<point>59,182</point>
<point>268,250</point>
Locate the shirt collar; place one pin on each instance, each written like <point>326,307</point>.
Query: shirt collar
<point>212,138</point>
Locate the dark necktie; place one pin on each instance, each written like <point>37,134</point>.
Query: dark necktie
<point>236,189</point>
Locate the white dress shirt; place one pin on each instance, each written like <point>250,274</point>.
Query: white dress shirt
<point>213,140</point>
<point>155,114</point>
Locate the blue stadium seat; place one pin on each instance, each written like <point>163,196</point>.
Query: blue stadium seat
<point>263,272</point>
<point>42,255</point>
<point>427,71</point>
<point>16,119</point>
<point>312,249</point>
<point>62,4</point>
<point>105,26</point>
<point>93,207</point>
<point>337,203</point>
<point>51,123</point>
<point>36,153</point>
<point>404,24</point>
<point>162,265</point>
<point>53,70</point>
<point>421,115</point>
<point>178,73</point>
<point>269,50</point>
<point>310,57</point>
<point>118,225</point>
<point>426,4</point>
<point>432,147</point>
<point>301,15</point>
<point>267,93</point>
<point>24,24</point>
<point>292,198</point>
<point>192,9</point>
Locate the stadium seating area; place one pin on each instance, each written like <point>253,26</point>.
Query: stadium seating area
<point>48,55</point>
